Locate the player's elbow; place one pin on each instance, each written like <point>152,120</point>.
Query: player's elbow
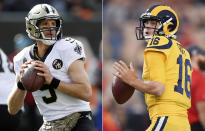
<point>12,111</point>
<point>159,89</point>
<point>88,98</point>
<point>159,92</point>
<point>87,95</point>
<point>155,88</point>
<point>12,107</point>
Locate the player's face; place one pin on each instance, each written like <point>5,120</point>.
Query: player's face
<point>46,25</point>
<point>150,26</point>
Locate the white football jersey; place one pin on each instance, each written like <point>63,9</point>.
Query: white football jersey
<point>54,104</point>
<point>7,78</point>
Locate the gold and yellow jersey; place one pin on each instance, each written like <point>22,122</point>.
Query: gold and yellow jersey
<point>168,63</point>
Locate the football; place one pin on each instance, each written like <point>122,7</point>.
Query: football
<point>121,91</point>
<point>30,80</point>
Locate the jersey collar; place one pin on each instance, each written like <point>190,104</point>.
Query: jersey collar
<point>34,53</point>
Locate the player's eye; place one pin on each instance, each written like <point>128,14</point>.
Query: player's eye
<point>53,23</point>
<point>150,23</point>
<point>153,23</point>
<point>44,24</point>
<point>145,22</point>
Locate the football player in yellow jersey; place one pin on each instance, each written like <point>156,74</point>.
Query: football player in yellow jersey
<point>166,72</point>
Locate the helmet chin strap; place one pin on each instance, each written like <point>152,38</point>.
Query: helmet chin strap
<point>147,37</point>
<point>47,42</point>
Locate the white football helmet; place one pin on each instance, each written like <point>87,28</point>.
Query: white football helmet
<point>41,12</point>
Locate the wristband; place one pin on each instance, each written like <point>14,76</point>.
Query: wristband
<point>54,83</point>
<point>20,85</point>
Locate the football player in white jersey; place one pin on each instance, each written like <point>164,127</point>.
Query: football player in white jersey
<point>7,80</point>
<point>64,98</point>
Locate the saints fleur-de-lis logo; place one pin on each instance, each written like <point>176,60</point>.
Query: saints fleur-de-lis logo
<point>78,49</point>
<point>57,64</point>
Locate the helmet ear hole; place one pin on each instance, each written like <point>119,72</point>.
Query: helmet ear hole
<point>31,30</point>
<point>171,27</point>
<point>166,28</point>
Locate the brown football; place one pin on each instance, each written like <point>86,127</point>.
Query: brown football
<point>121,91</point>
<point>30,80</point>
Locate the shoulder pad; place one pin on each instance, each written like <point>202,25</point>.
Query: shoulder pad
<point>67,43</point>
<point>70,40</point>
<point>159,42</point>
<point>22,53</point>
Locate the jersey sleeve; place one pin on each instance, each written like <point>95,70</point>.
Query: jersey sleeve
<point>2,53</point>
<point>17,66</point>
<point>159,44</point>
<point>18,61</point>
<point>74,51</point>
<point>156,65</point>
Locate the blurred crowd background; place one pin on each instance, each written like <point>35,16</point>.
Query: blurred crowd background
<point>82,20</point>
<point>120,17</point>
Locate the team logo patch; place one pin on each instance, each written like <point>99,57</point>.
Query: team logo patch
<point>78,49</point>
<point>57,64</point>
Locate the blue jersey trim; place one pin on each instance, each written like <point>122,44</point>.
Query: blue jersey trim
<point>167,46</point>
<point>155,126</point>
<point>164,123</point>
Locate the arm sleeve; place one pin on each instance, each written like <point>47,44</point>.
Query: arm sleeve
<point>156,65</point>
<point>17,66</point>
<point>75,52</point>
<point>19,60</point>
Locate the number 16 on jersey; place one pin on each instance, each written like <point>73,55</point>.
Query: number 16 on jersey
<point>184,77</point>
